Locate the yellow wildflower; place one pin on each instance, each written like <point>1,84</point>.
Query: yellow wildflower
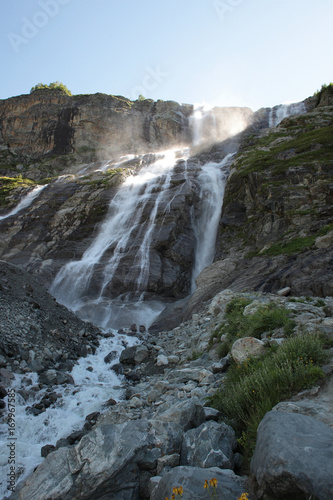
<point>213,482</point>
<point>206,484</point>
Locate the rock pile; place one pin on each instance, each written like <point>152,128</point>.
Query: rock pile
<point>161,435</point>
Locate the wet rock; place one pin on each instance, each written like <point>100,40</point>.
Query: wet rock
<point>110,357</point>
<point>46,450</point>
<point>127,356</point>
<point>54,377</point>
<point>3,392</point>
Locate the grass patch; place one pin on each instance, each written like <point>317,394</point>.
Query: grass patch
<point>252,389</point>
<point>8,184</point>
<point>267,318</point>
<point>309,146</point>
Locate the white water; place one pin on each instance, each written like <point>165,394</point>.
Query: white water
<point>278,113</point>
<point>121,231</point>
<point>25,202</point>
<point>212,180</point>
<point>142,197</point>
<point>91,389</point>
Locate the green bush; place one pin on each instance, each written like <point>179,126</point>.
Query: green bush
<point>252,389</point>
<point>267,318</point>
<point>51,86</point>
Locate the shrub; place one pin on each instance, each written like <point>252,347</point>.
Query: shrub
<point>252,389</point>
<point>267,318</point>
<point>51,86</point>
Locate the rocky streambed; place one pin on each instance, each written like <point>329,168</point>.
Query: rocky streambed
<point>161,434</point>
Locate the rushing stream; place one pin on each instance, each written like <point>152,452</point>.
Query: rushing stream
<point>143,196</point>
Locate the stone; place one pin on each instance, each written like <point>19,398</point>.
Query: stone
<point>284,291</point>
<point>167,460</point>
<point>293,457</point>
<point>324,241</point>
<point>110,357</point>
<point>184,375</point>
<point>106,462</point>
<point>221,366</point>
<point>192,479</point>
<point>209,445</point>
<point>46,450</point>
<point>186,414</point>
<point>54,377</point>
<point>127,356</point>
<point>247,347</point>
<point>162,360</point>
<point>141,354</point>
<point>212,413</point>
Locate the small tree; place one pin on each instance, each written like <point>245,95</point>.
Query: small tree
<point>141,98</point>
<point>51,86</point>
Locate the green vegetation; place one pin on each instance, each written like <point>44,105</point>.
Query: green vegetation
<point>51,86</point>
<point>252,389</point>
<point>266,318</point>
<point>295,245</point>
<point>7,184</point>
<point>324,88</point>
<point>141,98</point>
<point>310,146</point>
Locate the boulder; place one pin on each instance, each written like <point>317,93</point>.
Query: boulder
<point>106,463</point>
<point>192,479</point>
<point>245,348</point>
<point>186,414</point>
<point>210,445</point>
<point>293,457</point>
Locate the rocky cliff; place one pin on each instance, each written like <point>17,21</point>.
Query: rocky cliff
<point>276,228</point>
<point>83,148</point>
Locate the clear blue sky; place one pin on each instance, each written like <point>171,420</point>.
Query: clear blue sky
<point>223,52</point>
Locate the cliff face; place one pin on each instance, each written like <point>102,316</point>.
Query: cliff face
<point>276,225</point>
<point>276,228</point>
<point>99,126</point>
<point>77,145</point>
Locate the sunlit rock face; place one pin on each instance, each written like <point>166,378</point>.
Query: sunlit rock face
<point>99,125</point>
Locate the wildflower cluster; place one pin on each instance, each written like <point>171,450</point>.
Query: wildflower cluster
<point>244,496</point>
<point>176,492</point>
<point>211,486</point>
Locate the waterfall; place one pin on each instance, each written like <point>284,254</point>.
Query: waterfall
<point>121,251</point>
<point>204,126</point>
<point>278,113</point>
<point>25,202</point>
<point>138,199</point>
<point>212,181</point>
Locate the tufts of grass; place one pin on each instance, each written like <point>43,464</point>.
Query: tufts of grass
<point>266,319</point>
<point>252,389</point>
<point>8,184</point>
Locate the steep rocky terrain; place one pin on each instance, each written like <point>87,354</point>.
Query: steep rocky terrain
<point>275,232</point>
<point>276,228</point>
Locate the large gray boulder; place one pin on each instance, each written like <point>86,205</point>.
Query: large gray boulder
<point>210,445</point>
<point>293,458</point>
<point>106,463</point>
<point>192,479</point>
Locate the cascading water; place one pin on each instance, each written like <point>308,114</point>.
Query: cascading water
<point>136,214</point>
<point>94,384</point>
<point>278,113</point>
<point>212,181</point>
<point>25,202</point>
<point>121,230</point>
